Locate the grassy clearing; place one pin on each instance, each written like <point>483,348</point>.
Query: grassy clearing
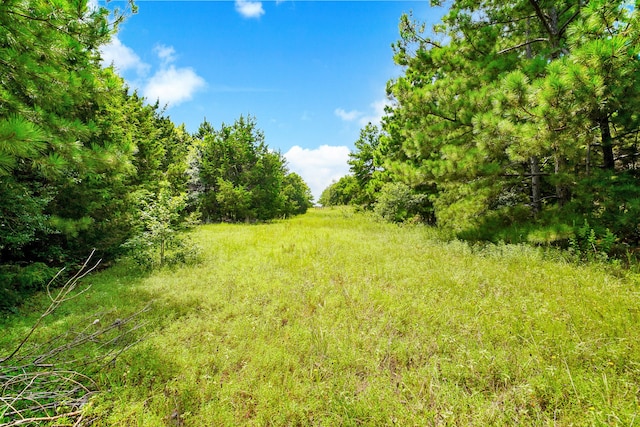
<point>333,319</point>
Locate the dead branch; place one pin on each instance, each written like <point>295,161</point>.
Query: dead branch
<point>53,380</point>
<point>62,296</point>
<point>41,419</point>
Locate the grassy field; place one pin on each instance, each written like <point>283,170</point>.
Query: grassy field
<point>332,319</point>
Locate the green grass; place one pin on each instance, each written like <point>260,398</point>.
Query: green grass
<point>334,319</point>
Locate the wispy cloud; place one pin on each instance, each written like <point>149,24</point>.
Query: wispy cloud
<point>122,57</point>
<point>166,54</point>
<point>347,116</point>
<point>373,116</point>
<point>318,167</point>
<point>170,85</point>
<point>249,9</point>
<point>377,112</point>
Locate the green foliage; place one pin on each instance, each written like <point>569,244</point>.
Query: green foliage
<point>76,147</point>
<point>297,195</point>
<point>236,176</point>
<point>364,166</point>
<point>610,200</point>
<point>53,95</point>
<point>23,217</point>
<point>234,201</point>
<point>160,238</point>
<point>397,203</point>
<point>16,282</point>
<point>20,140</point>
<point>592,245</point>
<point>525,105</point>
<point>340,193</point>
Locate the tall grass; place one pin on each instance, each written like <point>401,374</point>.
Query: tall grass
<point>334,319</point>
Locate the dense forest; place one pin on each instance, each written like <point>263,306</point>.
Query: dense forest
<point>513,121</point>
<point>85,162</point>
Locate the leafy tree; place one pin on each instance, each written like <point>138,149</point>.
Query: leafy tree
<point>364,167</point>
<point>267,179</point>
<point>397,203</point>
<point>297,195</point>
<point>235,175</point>
<point>53,90</point>
<point>77,149</point>
<point>234,201</point>
<point>158,240</point>
<point>342,192</point>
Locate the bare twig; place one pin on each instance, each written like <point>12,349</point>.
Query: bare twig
<point>63,295</point>
<point>24,421</point>
<point>44,383</point>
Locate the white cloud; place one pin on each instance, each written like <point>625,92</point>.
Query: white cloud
<point>249,9</point>
<point>347,116</point>
<point>378,112</point>
<point>167,54</point>
<point>172,85</point>
<point>122,57</point>
<point>318,167</point>
<point>169,84</point>
<point>374,115</point>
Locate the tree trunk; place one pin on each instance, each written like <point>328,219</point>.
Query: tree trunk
<point>536,185</point>
<point>562,190</point>
<point>534,162</point>
<point>607,142</point>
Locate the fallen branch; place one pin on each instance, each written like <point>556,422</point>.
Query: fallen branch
<point>62,296</point>
<point>42,419</point>
<point>52,381</point>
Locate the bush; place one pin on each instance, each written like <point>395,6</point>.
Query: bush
<point>610,200</point>
<point>397,203</point>
<point>160,240</point>
<point>590,244</point>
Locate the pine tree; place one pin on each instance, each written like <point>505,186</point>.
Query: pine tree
<point>508,109</point>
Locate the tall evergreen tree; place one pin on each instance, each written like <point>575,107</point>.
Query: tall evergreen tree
<point>506,111</point>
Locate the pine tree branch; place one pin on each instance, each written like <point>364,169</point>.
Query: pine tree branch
<point>622,135</point>
<point>45,383</point>
<point>569,21</point>
<point>510,21</point>
<point>528,42</point>
<point>541,16</point>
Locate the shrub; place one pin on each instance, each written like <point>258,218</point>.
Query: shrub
<point>160,240</point>
<point>397,203</point>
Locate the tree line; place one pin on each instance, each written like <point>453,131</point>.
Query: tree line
<point>85,162</point>
<point>511,120</point>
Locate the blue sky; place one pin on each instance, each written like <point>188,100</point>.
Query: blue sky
<point>312,73</point>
